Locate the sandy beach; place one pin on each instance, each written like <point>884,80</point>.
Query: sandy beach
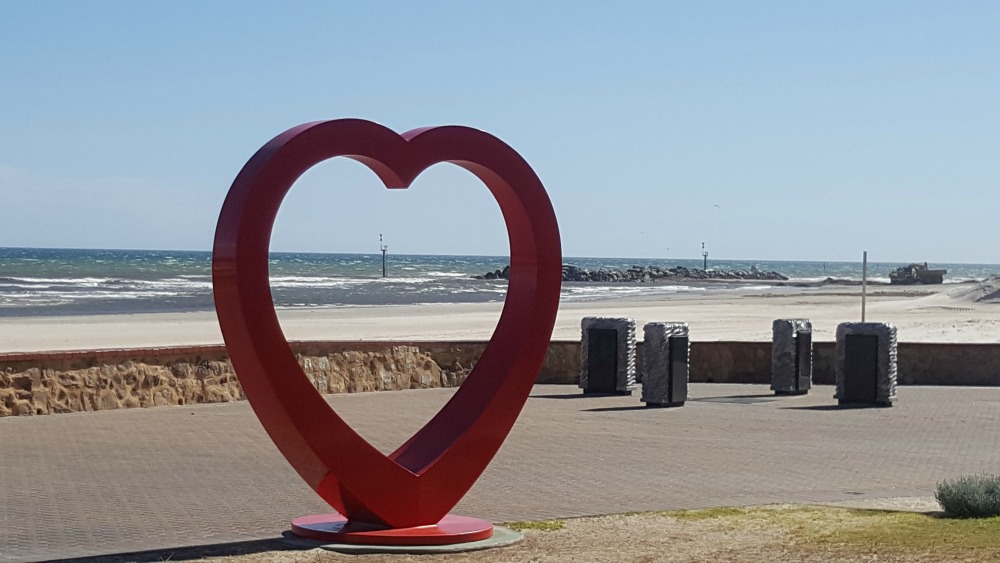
<point>950,313</point>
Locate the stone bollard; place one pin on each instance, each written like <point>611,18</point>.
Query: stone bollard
<point>607,355</point>
<point>791,356</point>
<point>665,364</point>
<point>866,364</point>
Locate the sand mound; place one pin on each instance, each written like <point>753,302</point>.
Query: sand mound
<point>986,291</point>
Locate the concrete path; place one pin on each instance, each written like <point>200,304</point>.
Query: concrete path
<point>89,484</point>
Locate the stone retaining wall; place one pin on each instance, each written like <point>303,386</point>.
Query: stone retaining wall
<point>59,382</point>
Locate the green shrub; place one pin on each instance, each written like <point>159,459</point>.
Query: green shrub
<point>976,496</point>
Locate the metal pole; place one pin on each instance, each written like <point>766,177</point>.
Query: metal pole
<point>864,283</point>
<point>384,248</point>
<point>704,258</point>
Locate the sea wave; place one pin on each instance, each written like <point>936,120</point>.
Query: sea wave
<point>314,281</point>
<point>596,292</point>
<point>88,283</point>
<point>78,282</point>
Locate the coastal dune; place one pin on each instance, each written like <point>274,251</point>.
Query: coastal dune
<point>968,312</point>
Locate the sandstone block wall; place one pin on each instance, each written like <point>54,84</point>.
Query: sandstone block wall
<point>58,382</point>
<point>62,382</point>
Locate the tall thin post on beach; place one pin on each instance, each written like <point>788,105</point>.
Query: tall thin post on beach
<point>704,258</point>
<point>384,248</point>
<point>864,283</point>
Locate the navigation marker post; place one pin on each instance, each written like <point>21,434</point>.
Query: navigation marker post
<point>864,283</point>
<point>384,248</point>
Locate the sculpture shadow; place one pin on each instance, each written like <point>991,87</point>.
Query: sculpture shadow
<point>580,395</point>
<point>194,553</point>
<point>723,397</point>
<point>847,407</point>
<point>738,399</point>
<point>617,409</point>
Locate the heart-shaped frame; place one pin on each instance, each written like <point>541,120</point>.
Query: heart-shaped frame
<point>425,477</point>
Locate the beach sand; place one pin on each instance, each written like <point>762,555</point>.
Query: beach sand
<point>955,313</point>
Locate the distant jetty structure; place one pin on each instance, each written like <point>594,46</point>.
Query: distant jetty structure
<point>647,274</point>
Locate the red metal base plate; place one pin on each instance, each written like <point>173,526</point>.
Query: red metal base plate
<point>335,528</point>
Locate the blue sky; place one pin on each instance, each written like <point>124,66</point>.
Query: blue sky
<point>768,130</point>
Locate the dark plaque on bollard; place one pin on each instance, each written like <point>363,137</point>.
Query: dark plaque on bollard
<point>602,360</point>
<point>866,364</point>
<point>860,368</point>
<point>665,365</point>
<point>678,369</point>
<point>803,360</point>
<point>791,356</point>
<point>607,355</point>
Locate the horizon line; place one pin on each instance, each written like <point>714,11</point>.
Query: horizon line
<point>376,253</point>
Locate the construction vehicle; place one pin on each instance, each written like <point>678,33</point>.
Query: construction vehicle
<point>916,273</point>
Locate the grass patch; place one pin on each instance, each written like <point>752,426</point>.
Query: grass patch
<point>847,532</point>
<point>820,533</point>
<point>708,513</point>
<point>539,525</point>
<point>975,496</point>
<point>908,532</point>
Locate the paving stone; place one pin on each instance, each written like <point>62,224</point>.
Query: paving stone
<point>89,484</point>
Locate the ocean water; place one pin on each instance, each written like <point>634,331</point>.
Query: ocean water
<point>57,282</point>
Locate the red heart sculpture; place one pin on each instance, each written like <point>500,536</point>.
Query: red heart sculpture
<point>422,480</point>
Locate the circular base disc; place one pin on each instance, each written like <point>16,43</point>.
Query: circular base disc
<point>336,529</point>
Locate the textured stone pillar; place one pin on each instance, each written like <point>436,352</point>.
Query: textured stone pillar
<point>866,363</point>
<point>791,356</point>
<point>665,364</point>
<point>607,355</point>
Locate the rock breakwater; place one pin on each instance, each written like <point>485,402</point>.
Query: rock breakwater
<point>647,274</point>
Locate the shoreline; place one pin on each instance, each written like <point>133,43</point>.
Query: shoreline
<point>919,316</point>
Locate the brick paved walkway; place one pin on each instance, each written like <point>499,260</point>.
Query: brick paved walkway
<point>88,484</point>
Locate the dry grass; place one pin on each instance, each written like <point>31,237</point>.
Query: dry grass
<point>538,525</point>
<point>768,533</point>
<point>850,534</point>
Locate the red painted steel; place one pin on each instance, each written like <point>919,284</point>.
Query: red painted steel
<point>422,480</point>
<point>335,529</point>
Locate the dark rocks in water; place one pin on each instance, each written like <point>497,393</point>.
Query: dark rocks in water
<point>647,274</point>
<point>503,274</point>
